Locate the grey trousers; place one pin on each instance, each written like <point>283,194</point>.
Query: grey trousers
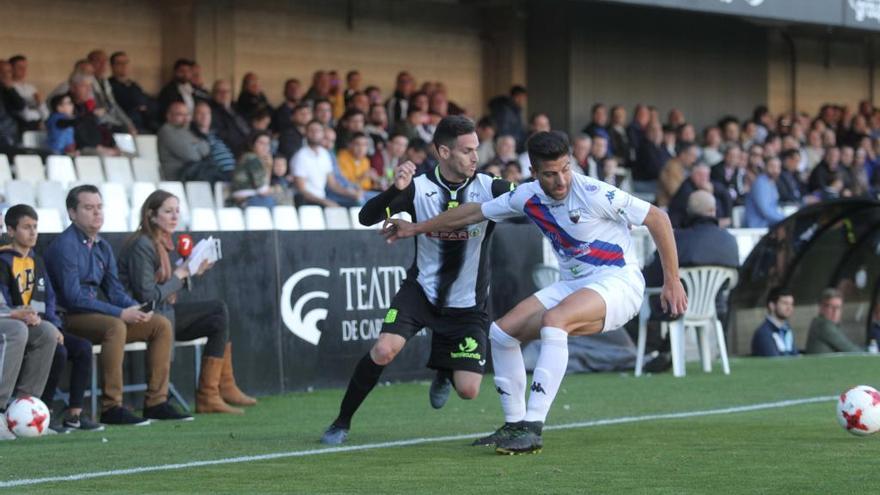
<point>25,358</point>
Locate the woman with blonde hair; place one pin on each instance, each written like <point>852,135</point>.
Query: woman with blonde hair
<point>147,268</point>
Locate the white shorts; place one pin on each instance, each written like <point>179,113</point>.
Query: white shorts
<point>622,291</point>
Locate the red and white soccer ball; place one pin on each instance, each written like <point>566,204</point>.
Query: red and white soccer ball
<point>858,410</point>
<point>27,417</point>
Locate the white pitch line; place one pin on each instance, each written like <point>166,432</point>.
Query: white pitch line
<point>404,443</point>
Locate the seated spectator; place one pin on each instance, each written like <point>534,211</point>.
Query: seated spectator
<point>140,108</point>
<point>323,111</point>
<point>398,104</point>
<point>148,268</point>
<point>486,136</point>
<point>609,173</point>
<point>24,283</point>
<point>90,135</point>
<point>598,123</point>
<point>11,103</point>
<point>580,154</point>
<point>291,138</point>
<point>505,150</point>
<point>351,123</point>
<point>674,173</point>
<point>699,180</point>
<point>220,156</point>
<point>27,344</point>
<point>354,164</point>
<point>637,130</point>
<point>359,101</point>
<point>200,93</point>
<point>313,172</point>
<point>229,125</point>
<point>762,201</point>
<point>775,337</point>
<point>59,126</point>
<point>791,187</point>
<point>81,67</point>
<point>251,98</point>
<point>711,152</point>
<point>261,120</point>
<point>281,118</point>
<point>512,172</point>
<point>250,180</point>
<point>618,138</point>
<point>539,122</point>
<point>377,129</point>
<point>111,114</point>
<point>826,172</point>
<point>179,89</point>
<point>417,152</point>
<point>598,153</point>
<point>825,334</point>
<point>34,112</point>
<point>384,161</point>
<point>320,88</point>
<point>282,186</point>
<point>80,263</point>
<point>353,80</point>
<point>374,94</point>
<point>505,111</point>
<point>650,158</point>
<point>730,173</point>
<point>183,156</point>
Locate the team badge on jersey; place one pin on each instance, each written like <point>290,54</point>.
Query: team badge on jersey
<point>575,215</point>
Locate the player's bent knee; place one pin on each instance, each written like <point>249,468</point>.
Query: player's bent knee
<point>383,353</point>
<point>468,391</point>
<point>556,319</point>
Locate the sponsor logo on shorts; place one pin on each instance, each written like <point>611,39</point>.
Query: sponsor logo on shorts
<point>466,350</point>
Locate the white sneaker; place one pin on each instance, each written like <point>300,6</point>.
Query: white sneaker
<point>5,434</point>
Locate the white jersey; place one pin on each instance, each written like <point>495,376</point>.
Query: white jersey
<point>589,229</point>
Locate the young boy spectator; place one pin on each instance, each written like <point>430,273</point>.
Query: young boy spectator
<point>59,126</point>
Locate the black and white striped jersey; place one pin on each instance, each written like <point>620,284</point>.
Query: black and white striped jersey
<point>451,267</point>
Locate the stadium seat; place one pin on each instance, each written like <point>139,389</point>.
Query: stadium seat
<point>34,139</point>
<point>230,219</point>
<point>353,216</point>
<point>403,216</point>
<point>50,221</point>
<point>746,239</point>
<point>20,192</point>
<point>737,217</point>
<point>118,169</point>
<point>89,169</point>
<point>115,200</point>
<point>199,195</point>
<point>139,193</point>
<point>221,192</point>
<point>204,220</point>
<point>134,219</point>
<point>60,168</point>
<point>311,217</point>
<point>702,283</point>
<point>258,218</point>
<point>29,168</point>
<point>125,143</point>
<point>115,221</point>
<point>52,194</point>
<point>5,171</point>
<point>285,218</point>
<point>147,146</point>
<point>176,188</point>
<point>145,169</point>
<point>337,218</point>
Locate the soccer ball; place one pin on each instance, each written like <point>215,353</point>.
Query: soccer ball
<point>858,410</point>
<point>27,417</point>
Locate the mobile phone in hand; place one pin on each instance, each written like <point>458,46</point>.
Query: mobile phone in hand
<point>148,306</point>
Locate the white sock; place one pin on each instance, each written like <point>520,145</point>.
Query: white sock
<point>549,370</point>
<point>510,373</point>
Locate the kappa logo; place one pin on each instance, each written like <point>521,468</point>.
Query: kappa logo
<point>537,388</point>
<point>610,196</point>
<point>303,326</point>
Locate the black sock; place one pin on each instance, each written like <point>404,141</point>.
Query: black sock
<point>444,373</point>
<point>366,376</point>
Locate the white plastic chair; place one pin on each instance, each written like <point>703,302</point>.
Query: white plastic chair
<point>204,220</point>
<point>337,218</point>
<point>199,195</point>
<point>115,221</point>
<point>115,201</point>
<point>230,219</point>
<point>147,146</point>
<point>29,168</point>
<point>737,216</point>
<point>5,170</point>
<point>702,284</point>
<point>60,168</point>
<point>89,170</point>
<point>139,193</point>
<point>51,194</point>
<point>285,218</point>
<point>145,169</point>
<point>20,192</point>
<point>311,217</point>
<point>221,192</point>
<point>118,169</point>
<point>34,139</point>
<point>125,142</point>
<point>50,221</point>
<point>746,240</point>
<point>258,218</point>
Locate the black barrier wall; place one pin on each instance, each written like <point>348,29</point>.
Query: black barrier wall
<point>305,306</point>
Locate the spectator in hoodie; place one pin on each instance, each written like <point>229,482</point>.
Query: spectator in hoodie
<point>506,112</point>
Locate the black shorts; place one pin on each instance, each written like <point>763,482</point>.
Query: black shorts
<point>458,340</point>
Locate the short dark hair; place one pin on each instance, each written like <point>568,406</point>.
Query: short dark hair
<point>350,74</point>
<point>517,90</point>
<point>785,155</point>
<point>16,213</point>
<point>56,100</point>
<point>314,122</point>
<point>116,55</point>
<point>252,139</point>
<point>450,128</point>
<point>546,146</point>
<point>358,135</point>
<point>73,196</point>
<point>318,101</point>
<point>417,144</point>
<point>16,59</point>
<point>183,61</point>
<point>300,106</point>
<point>352,112</point>
<point>777,292</point>
<point>485,122</point>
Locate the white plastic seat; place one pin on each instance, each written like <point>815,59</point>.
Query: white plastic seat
<point>354,215</point>
<point>125,142</point>
<point>702,283</point>
<point>204,220</point>
<point>737,216</point>
<point>51,194</point>
<point>60,168</point>
<point>50,221</point>
<point>20,192</point>
<point>5,171</point>
<point>115,200</point>
<point>311,217</point>
<point>285,218</point>
<point>140,191</point>
<point>118,169</point>
<point>115,221</point>
<point>134,219</point>
<point>176,188</point>
<point>230,219</point>
<point>199,195</point>
<point>29,168</point>
<point>221,192</point>
<point>34,139</point>
<point>337,218</point>
<point>147,146</point>
<point>89,170</point>
<point>145,169</point>
<point>746,240</point>
<point>258,218</point>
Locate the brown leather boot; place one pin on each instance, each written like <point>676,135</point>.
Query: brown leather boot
<point>208,398</point>
<point>228,389</point>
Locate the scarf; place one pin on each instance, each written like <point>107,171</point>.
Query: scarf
<point>164,245</point>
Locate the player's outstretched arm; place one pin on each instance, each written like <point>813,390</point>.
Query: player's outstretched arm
<point>448,221</point>
<point>374,211</point>
<point>673,298</point>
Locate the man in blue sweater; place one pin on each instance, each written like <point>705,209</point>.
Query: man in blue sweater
<point>762,202</point>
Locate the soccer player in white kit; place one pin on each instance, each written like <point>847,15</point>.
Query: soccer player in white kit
<point>601,287</point>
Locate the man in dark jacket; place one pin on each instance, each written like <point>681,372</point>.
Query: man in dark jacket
<point>24,282</point>
<point>699,181</point>
<point>791,188</point>
<point>10,104</point>
<point>225,121</point>
<point>506,113</point>
<point>775,337</point>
